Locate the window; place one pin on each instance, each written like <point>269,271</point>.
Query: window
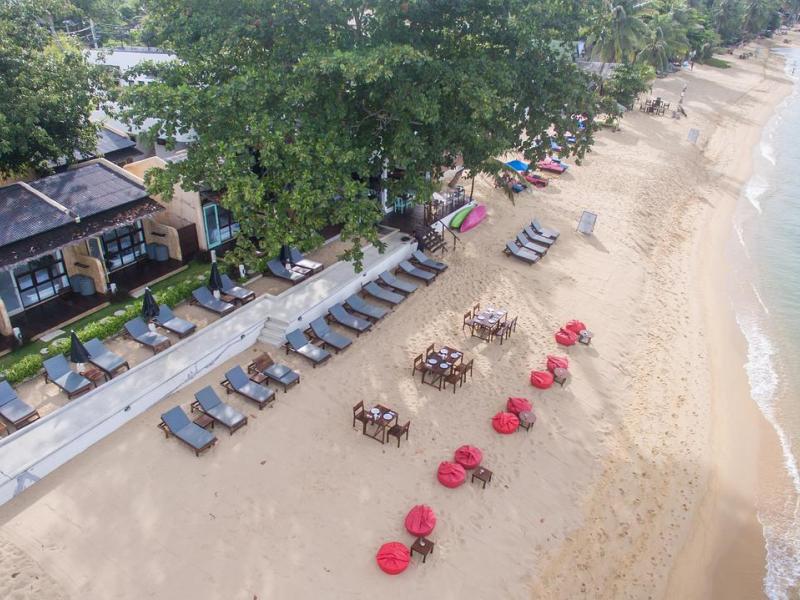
<point>41,279</point>
<point>219,223</point>
<point>8,293</point>
<point>123,246</point>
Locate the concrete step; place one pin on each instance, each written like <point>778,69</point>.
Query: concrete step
<point>274,332</point>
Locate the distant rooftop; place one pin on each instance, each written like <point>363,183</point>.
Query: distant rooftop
<point>127,57</point>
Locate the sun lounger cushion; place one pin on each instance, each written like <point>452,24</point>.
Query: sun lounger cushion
<point>278,270</point>
<point>59,372</point>
<point>300,344</point>
<point>537,248</point>
<point>12,409</point>
<point>376,291</point>
<point>358,304</point>
<point>323,331</point>
<point>545,231</point>
<point>423,259</point>
<point>341,316</point>
<point>182,428</point>
<point>242,384</point>
<point>7,393</point>
<point>102,357</point>
<point>169,321</point>
<point>398,284</point>
<point>298,259</point>
<point>538,239</point>
<point>237,291</point>
<point>139,331</point>
<point>521,253</point>
<point>410,269</point>
<point>206,299</point>
<point>281,374</point>
<point>220,411</point>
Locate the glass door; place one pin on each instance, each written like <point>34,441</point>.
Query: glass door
<point>211,222</point>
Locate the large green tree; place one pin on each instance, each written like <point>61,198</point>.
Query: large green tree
<point>47,89</point>
<point>617,33</point>
<point>296,105</point>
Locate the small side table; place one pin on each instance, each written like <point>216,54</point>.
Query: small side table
<point>422,546</point>
<point>228,298</point>
<point>204,421</point>
<point>258,377</point>
<point>560,376</point>
<point>526,419</point>
<point>94,375</point>
<point>482,474</point>
<point>3,429</point>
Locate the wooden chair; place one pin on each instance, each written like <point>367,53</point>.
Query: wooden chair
<point>419,365</point>
<point>476,309</point>
<point>359,414</point>
<point>456,376</point>
<point>399,431</point>
<point>428,351</point>
<point>467,368</point>
<point>466,323</point>
<point>504,332</point>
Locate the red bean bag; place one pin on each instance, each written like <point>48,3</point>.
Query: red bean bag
<point>420,520</point>
<point>518,405</point>
<point>469,457</point>
<point>565,337</point>
<point>393,557</point>
<point>541,379</point>
<point>451,475</point>
<point>575,326</point>
<point>505,422</point>
<point>557,362</point>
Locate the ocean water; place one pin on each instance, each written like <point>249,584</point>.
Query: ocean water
<point>765,289</point>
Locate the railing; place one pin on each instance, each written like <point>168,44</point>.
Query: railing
<point>438,210</point>
<point>456,239</point>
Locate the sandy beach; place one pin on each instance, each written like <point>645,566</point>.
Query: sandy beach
<point>637,481</point>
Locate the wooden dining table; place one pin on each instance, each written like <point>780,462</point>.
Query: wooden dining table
<point>486,322</point>
<point>382,418</point>
<point>439,363</point>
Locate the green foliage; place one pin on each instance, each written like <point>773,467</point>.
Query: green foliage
<point>716,62</point>
<point>296,109</point>
<point>627,83</point>
<point>48,89</point>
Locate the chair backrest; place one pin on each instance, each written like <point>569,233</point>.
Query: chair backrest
<point>388,277</point>
<point>295,255</point>
<point>56,366</point>
<point>537,225</point>
<point>373,288</point>
<point>95,347</point>
<point>175,418</point>
<point>277,268</point>
<point>406,266</point>
<point>227,282</point>
<point>237,377</point>
<point>296,339</point>
<point>136,327</point>
<point>467,368</point>
<point>207,398</point>
<point>165,313</point>
<point>420,256</point>
<point>7,393</point>
<point>476,309</point>
<point>202,295</point>
<point>521,239</point>
<point>512,247</point>
<point>358,408</point>
<point>356,301</point>
<point>429,350</point>
<point>320,327</point>
<point>263,361</point>
<point>339,312</point>
<point>417,360</point>
<point>467,316</point>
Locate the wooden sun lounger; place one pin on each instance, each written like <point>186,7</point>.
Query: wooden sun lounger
<point>236,380</point>
<point>358,305</point>
<point>178,326</point>
<point>409,269</point>
<point>14,410</point>
<point>425,261</point>
<point>276,372</point>
<point>104,359</point>
<point>328,336</point>
<point>381,293</point>
<point>299,343</point>
<point>527,256</point>
<point>242,294</point>
<point>301,261</point>
<point>138,330</point>
<point>398,285</point>
<point>294,275</point>
<point>208,402</point>
<point>545,231</point>
<point>175,422</point>
<point>339,314</point>
<point>202,296</point>
<point>57,370</point>
<point>536,238</point>
<point>536,248</point>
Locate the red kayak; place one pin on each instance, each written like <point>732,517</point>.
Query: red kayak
<point>536,181</point>
<point>551,165</point>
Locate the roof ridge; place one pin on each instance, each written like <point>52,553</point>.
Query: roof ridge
<point>50,201</point>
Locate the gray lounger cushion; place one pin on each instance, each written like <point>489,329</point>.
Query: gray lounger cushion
<point>426,260</point>
<point>242,384</point>
<point>298,259</point>
<point>182,428</point>
<point>102,357</point>
<point>12,408</point>
<point>300,344</point>
<point>169,321</point>
<point>376,291</point>
<point>278,270</point>
<point>323,331</point>
<point>58,372</point>
<point>537,248</point>
<point>538,239</point>
<point>545,231</point>
<point>398,284</point>
<point>139,331</point>
<point>281,374</point>
<point>359,305</point>
<point>344,318</point>
<point>521,253</point>
<point>217,409</point>
<point>205,298</point>
<point>410,269</point>
<point>237,291</point>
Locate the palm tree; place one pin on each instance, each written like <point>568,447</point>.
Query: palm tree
<point>618,34</point>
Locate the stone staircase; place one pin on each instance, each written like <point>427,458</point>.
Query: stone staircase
<point>432,239</point>
<point>274,332</point>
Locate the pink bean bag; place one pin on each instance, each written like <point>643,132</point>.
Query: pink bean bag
<point>420,520</point>
<point>565,337</point>
<point>451,475</point>
<point>468,456</point>
<point>541,379</point>
<point>393,557</point>
<point>575,326</point>
<point>557,362</point>
<point>518,405</point>
<point>505,422</point>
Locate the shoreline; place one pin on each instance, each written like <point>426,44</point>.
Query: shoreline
<point>725,554</point>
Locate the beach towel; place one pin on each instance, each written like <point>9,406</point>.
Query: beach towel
<point>468,456</point>
<point>420,520</point>
<point>541,379</point>
<point>393,557</point>
<point>451,475</point>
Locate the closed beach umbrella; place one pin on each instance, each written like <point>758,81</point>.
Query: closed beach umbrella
<point>285,255</point>
<point>393,557</point>
<point>214,280</point>
<point>420,520</point>
<point>149,305</point>
<point>77,351</point>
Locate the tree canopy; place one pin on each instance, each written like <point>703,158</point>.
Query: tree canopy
<point>296,106</point>
<point>48,89</point>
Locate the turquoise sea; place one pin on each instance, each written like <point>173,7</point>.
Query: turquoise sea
<point>765,289</point>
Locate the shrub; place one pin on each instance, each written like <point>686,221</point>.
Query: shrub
<point>24,368</point>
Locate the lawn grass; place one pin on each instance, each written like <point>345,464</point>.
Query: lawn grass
<point>193,269</point>
<point>717,62</point>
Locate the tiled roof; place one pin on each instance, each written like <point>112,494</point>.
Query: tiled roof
<point>23,214</point>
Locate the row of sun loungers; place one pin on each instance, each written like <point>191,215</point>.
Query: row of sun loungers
<point>14,410</point>
<point>532,243</point>
<point>359,315</point>
<point>177,423</point>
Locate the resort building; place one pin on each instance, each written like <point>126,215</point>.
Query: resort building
<point>72,240</point>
